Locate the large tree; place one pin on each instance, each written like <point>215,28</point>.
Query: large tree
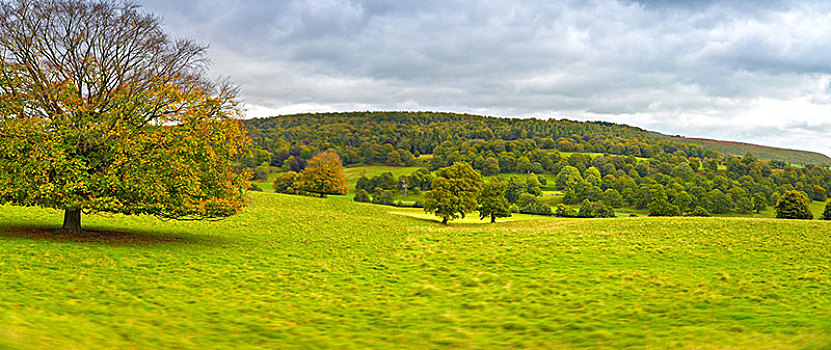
<point>323,175</point>
<point>454,192</point>
<point>493,201</point>
<point>100,111</point>
<point>793,205</point>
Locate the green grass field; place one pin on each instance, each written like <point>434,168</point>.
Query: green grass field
<point>471,218</point>
<point>354,173</point>
<point>297,272</point>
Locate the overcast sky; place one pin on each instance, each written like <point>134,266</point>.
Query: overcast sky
<point>752,71</point>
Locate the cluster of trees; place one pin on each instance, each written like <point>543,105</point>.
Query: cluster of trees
<point>676,185</point>
<point>458,189</point>
<point>664,187</point>
<point>383,186</point>
<point>637,169</point>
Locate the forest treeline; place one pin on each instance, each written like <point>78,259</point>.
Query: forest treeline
<point>372,137</point>
<point>636,168</point>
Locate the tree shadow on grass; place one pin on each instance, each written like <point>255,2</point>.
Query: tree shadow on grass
<point>113,238</point>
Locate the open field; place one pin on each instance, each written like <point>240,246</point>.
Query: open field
<point>472,218</point>
<point>354,173</point>
<point>298,272</point>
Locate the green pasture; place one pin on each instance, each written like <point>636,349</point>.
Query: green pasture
<point>472,218</point>
<point>354,173</point>
<point>298,272</point>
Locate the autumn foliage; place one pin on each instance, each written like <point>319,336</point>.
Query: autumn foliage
<point>323,175</point>
<point>101,112</point>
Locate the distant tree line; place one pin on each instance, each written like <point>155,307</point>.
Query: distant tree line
<point>397,138</point>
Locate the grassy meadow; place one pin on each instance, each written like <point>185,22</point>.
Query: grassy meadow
<point>297,272</point>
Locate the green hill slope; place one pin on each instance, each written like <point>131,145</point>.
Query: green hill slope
<point>297,272</point>
<point>789,156</point>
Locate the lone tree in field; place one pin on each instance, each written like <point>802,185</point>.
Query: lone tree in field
<point>453,192</point>
<point>793,205</point>
<point>323,175</point>
<point>493,201</point>
<point>100,111</point>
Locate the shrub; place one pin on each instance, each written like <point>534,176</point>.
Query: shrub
<point>818,193</point>
<point>381,196</point>
<point>793,205</point>
<point>663,208</point>
<point>591,209</point>
<point>570,198</point>
<point>699,211</point>
<point>613,198</point>
<point>530,204</point>
<point>586,210</point>
<point>285,183</point>
<point>603,211</point>
<point>261,173</point>
<point>255,188</point>
<point>564,211</point>
<point>362,196</point>
<point>826,215</point>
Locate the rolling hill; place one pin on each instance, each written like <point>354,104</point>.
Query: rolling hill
<point>789,156</point>
<point>422,132</point>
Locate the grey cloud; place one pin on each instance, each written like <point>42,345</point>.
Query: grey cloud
<point>676,66</point>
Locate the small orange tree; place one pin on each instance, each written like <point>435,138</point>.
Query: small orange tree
<point>101,112</point>
<point>323,175</point>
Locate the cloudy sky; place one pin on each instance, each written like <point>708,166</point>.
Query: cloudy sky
<point>751,71</point>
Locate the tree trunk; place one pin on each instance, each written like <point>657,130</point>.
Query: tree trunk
<point>72,221</point>
<point>444,221</point>
<point>493,218</point>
